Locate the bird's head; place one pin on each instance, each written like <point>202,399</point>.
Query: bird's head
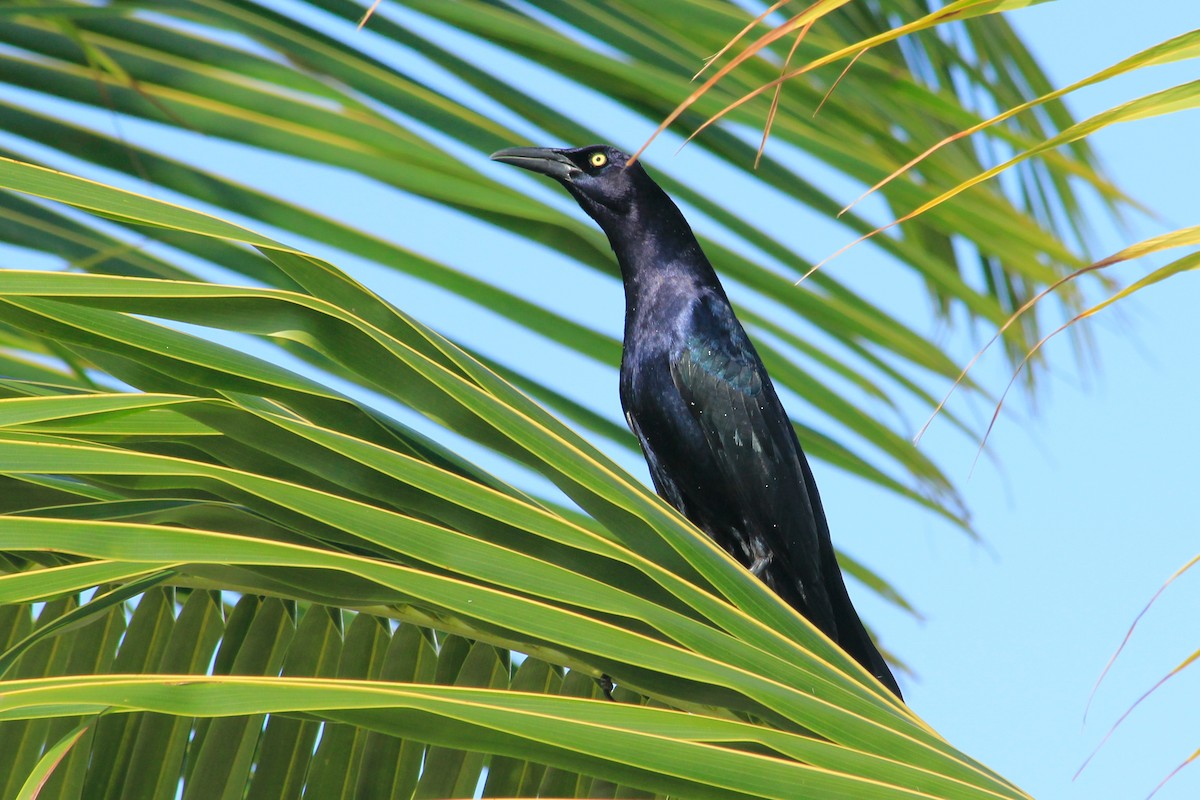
<point>598,176</point>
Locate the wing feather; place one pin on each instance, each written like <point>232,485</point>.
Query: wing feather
<point>748,433</point>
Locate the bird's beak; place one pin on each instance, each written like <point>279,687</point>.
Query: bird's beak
<point>539,159</point>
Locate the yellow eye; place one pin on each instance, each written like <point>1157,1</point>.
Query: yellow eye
<point>598,159</point>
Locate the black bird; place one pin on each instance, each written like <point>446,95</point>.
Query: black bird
<point>717,440</point>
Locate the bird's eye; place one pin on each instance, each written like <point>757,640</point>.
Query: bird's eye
<point>598,159</point>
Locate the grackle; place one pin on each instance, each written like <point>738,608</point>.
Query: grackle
<point>719,445</point>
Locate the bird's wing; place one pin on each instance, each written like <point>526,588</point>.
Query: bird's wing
<point>727,391</point>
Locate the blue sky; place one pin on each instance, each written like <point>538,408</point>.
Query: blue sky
<point>1088,506</point>
<point>1094,503</point>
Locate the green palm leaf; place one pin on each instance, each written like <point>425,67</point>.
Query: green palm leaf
<point>227,565</point>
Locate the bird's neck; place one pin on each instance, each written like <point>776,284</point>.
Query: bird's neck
<point>659,256</point>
